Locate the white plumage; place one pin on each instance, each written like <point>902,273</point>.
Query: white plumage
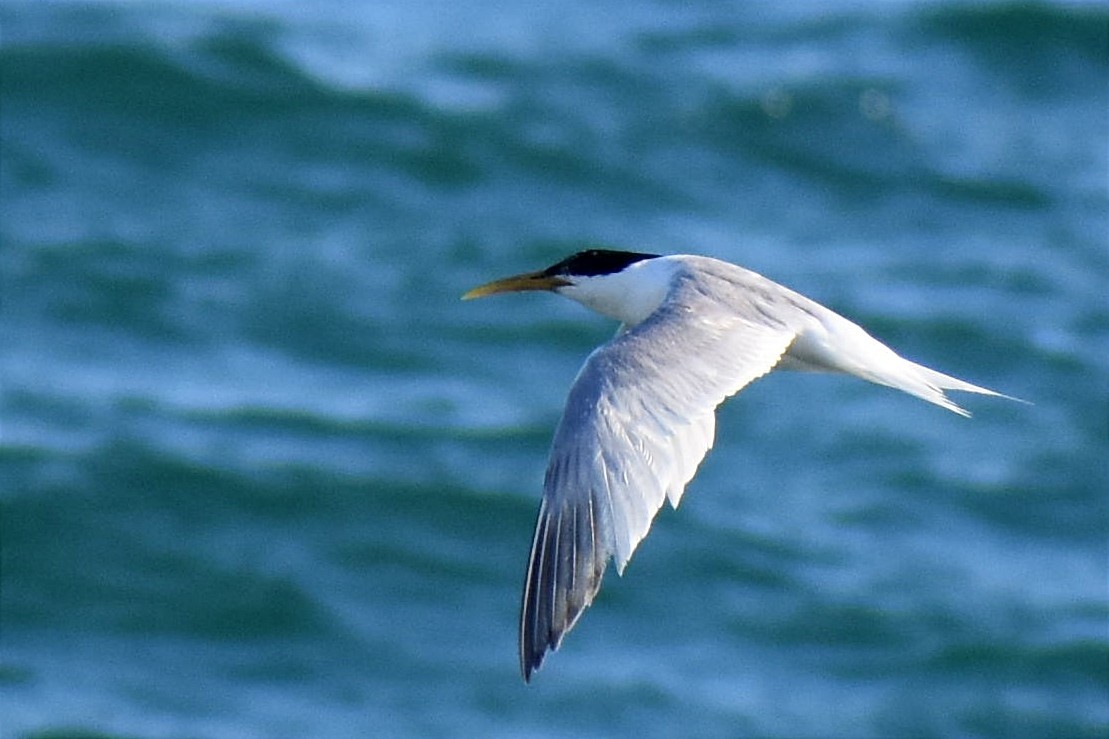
<point>640,416</point>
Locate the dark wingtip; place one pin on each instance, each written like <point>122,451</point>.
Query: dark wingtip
<point>565,570</point>
<point>529,666</point>
<point>532,653</point>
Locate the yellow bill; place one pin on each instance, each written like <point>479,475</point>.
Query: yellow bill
<point>516,284</point>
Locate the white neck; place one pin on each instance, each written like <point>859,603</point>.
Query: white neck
<point>630,295</point>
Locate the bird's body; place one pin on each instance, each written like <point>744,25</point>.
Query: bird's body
<point>640,415</point>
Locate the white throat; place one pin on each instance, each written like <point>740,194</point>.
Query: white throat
<point>630,295</point>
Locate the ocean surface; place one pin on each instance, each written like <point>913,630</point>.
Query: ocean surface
<point>262,474</point>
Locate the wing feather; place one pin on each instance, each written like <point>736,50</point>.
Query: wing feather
<point>638,421</point>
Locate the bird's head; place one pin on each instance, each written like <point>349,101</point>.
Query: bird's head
<point>597,278</point>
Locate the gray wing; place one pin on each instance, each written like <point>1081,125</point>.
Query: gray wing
<point>637,423</point>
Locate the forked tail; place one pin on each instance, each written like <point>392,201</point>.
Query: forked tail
<point>928,384</point>
<point>838,345</point>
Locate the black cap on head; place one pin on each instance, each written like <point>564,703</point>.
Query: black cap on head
<point>593,262</point>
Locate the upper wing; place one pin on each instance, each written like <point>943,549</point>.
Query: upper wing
<point>637,422</point>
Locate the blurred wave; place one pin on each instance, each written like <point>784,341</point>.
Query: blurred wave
<point>261,474</point>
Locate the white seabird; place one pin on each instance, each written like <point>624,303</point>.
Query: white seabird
<point>640,415</point>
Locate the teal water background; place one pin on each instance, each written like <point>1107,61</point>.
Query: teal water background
<point>263,475</point>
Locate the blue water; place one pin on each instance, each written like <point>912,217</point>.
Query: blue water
<point>263,475</point>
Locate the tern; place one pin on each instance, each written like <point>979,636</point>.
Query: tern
<point>640,415</point>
